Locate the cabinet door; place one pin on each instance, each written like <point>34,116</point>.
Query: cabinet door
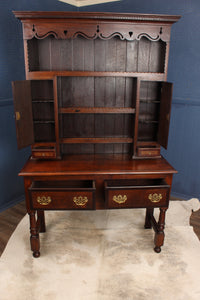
<point>165,110</point>
<point>23,113</point>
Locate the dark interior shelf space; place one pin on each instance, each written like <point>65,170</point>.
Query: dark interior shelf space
<point>96,92</point>
<point>135,183</point>
<point>68,184</point>
<point>42,90</point>
<point>96,55</point>
<point>44,131</point>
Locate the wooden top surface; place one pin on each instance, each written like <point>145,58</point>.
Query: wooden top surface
<point>96,164</point>
<point>23,15</point>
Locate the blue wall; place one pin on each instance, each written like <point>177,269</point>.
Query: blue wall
<point>184,67</point>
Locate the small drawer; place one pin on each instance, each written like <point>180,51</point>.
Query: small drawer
<point>63,194</point>
<point>44,152</point>
<point>136,193</point>
<point>148,151</point>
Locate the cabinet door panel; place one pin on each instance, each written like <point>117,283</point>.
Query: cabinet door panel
<point>165,110</point>
<point>23,113</point>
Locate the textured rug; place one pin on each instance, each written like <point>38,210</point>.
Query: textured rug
<point>104,255</point>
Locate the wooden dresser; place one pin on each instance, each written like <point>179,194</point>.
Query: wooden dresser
<point>95,108</point>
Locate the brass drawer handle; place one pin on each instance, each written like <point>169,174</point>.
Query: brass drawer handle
<point>80,201</point>
<point>120,199</point>
<point>155,197</point>
<point>44,200</point>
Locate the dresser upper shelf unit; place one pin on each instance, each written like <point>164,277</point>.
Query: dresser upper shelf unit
<point>95,83</point>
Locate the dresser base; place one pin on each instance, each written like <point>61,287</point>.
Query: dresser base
<point>97,182</point>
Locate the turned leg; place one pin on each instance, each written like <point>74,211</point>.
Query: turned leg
<point>159,236</point>
<point>34,238</point>
<point>41,219</point>
<point>149,214</point>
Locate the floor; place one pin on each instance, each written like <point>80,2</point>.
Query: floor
<point>12,216</point>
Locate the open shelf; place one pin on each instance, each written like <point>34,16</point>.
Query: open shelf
<point>44,132</point>
<point>149,110</point>
<point>43,110</point>
<point>82,54</point>
<point>49,75</point>
<point>110,140</point>
<point>97,110</point>
<point>96,92</point>
<point>97,114</point>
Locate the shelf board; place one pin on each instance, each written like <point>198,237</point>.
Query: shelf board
<point>148,121</point>
<point>44,122</point>
<point>51,74</point>
<point>109,140</point>
<point>97,110</point>
<point>149,101</point>
<point>42,101</point>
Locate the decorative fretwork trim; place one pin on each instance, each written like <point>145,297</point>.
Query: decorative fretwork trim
<point>94,31</point>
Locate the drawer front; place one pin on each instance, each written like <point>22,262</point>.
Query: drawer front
<point>148,152</point>
<point>137,197</point>
<point>43,154</point>
<point>62,199</point>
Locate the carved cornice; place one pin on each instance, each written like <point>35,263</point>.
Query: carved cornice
<point>28,15</point>
<point>93,31</point>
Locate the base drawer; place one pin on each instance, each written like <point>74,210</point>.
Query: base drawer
<point>136,193</point>
<point>63,195</point>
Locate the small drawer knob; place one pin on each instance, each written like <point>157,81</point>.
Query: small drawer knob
<point>120,199</point>
<point>43,200</point>
<point>80,201</point>
<point>155,197</point>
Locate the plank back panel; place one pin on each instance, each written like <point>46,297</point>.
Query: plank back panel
<point>80,54</point>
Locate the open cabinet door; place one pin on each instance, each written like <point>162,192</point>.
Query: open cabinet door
<point>165,110</point>
<point>23,113</point>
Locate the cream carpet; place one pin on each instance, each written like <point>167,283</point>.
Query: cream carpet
<point>104,255</point>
